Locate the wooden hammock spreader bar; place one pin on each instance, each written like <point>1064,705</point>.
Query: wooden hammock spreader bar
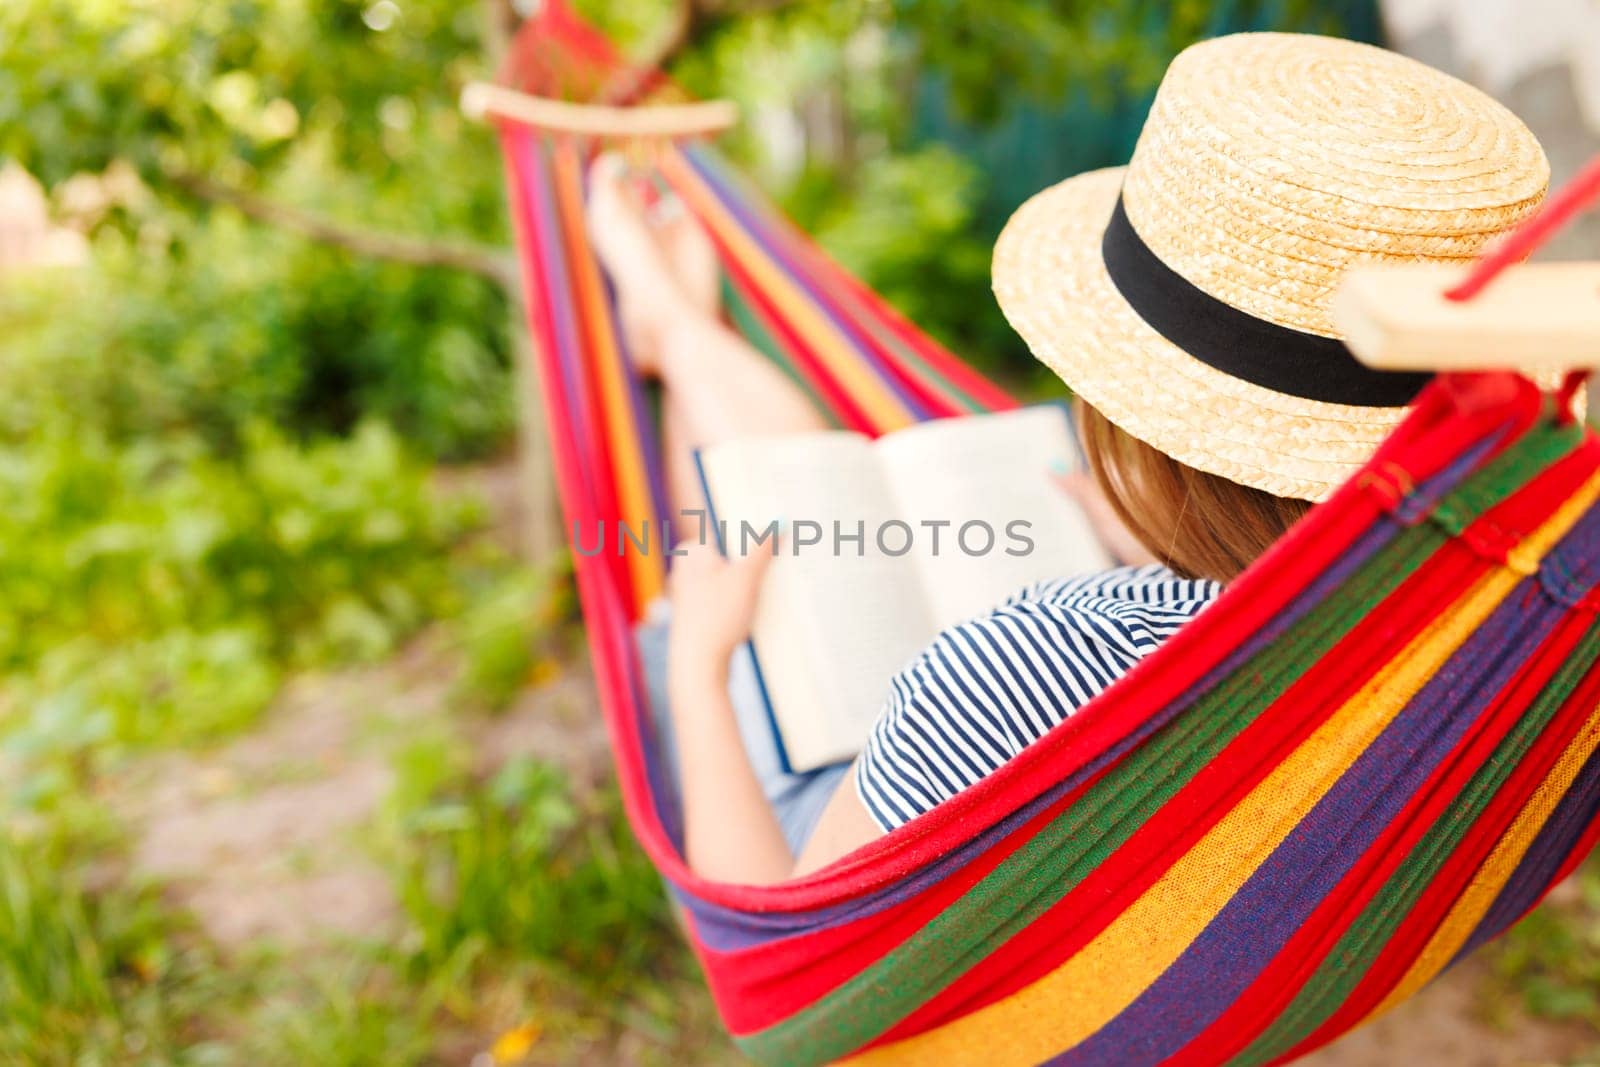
<point>482,100</point>
<point>1502,314</point>
<point>1536,316</point>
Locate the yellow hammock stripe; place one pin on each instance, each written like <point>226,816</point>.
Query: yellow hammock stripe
<point>1086,992</point>
<point>1490,879</point>
<point>622,437</point>
<point>844,363</point>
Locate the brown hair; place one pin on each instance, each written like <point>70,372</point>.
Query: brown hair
<point>1201,525</point>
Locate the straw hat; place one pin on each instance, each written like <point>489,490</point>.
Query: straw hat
<point>1196,316</point>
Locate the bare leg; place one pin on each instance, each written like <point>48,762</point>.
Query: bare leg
<point>724,388</point>
<point>717,386</point>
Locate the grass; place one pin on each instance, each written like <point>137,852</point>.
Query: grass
<point>532,894</point>
<point>91,974</point>
<point>535,931</point>
<point>349,1012</point>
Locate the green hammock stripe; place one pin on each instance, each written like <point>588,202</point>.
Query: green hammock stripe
<point>1506,473</point>
<point>1351,957</point>
<point>925,370</point>
<point>749,324</point>
<point>1040,873</point>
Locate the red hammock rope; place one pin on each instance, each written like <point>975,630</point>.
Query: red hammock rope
<point>1566,204</point>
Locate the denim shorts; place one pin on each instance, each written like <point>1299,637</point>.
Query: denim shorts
<point>797,799</point>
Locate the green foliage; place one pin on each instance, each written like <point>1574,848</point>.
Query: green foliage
<point>193,318</point>
<point>156,592</point>
<point>245,324</point>
<point>507,633</point>
<point>187,86</point>
<point>1050,51</point>
<point>520,870</point>
<point>92,976</point>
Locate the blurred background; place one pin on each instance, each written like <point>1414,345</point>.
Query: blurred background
<point>299,757</point>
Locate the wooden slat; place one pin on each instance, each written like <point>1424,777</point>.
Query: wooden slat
<point>1537,316</point>
<point>481,100</point>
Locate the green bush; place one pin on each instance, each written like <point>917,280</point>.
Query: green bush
<point>156,592</point>
<point>237,324</point>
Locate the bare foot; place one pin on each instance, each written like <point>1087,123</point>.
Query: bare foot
<point>691,254</point>
<point>660,261</point>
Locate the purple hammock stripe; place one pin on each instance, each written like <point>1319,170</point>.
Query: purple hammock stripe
<point>1367,799</point>
<point>716,170</point>
<point>568,353</point>
<point>1550,849</point>
<point>728,930</point>
<point>1574,570</point>
<point>771,241</point>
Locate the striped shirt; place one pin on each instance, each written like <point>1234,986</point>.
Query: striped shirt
<point>989,687</point>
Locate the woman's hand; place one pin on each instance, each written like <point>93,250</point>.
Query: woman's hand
<point>713,607</point>
<point>730,832</point>
<point>1114,535</point>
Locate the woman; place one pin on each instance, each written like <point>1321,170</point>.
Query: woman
<point>1184,299</point>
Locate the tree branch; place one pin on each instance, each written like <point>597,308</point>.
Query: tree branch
<point>496,264</point>
<point>499,22</point>
<point>629,83</point>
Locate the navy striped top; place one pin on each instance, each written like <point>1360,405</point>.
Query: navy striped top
<point>987,688</point>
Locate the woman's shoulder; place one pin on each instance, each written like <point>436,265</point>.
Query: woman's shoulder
<point>1121,591</point>
<point>986,688</point>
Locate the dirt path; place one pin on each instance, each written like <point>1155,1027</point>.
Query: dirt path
<point>263,839</point>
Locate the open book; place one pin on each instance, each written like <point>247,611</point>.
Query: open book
<point>888,542</point>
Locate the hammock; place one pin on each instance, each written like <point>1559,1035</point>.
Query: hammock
<point>1376,751</point>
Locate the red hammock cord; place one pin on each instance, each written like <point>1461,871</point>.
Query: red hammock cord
<point>1568,202</point>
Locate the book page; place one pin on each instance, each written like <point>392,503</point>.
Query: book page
<point>1005,522</point>
<point>835,621</point>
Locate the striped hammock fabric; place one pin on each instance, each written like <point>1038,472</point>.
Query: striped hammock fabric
<point>1375,752</point>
